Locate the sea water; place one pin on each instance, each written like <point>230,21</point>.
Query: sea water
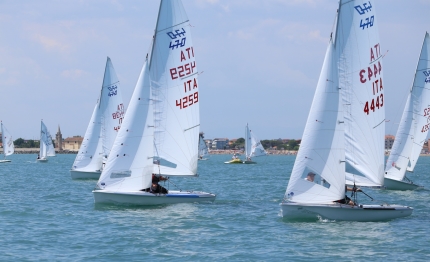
<point>44,215</point>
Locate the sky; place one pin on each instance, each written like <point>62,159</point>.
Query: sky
<point>259,60</point>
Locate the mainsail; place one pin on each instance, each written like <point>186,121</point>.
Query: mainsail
<point>104,124</point>
<point>415,123</point>
<point>173,74</point>
<point>46,145</point>
<point>7,141</point>
<point>253,146</point>
<point>361,82</point>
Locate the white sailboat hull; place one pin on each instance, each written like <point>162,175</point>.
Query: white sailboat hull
<point>148,199</point>
<point>42,160</point>
<point>5,161</point>
<point>361,213</point>
<point>392,184</point>
<point>75,174</point>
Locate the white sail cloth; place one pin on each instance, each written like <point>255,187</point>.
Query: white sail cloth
<point>361,82</point>
<point>253,146</point>
<point>7,141</point>
<point>203,149</point>
<point>322,148</point>
<point>415,122</point>
<point>46,145</point>
<point>103,127</point>
<point>174,83</point>
<point>130,164</point>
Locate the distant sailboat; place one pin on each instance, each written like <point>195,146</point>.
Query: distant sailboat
<point>317,184</point>
<point>203,148</point>
<point>253,146</point>
<point>46,145</point>
<point>8,147</point>
<point>102,130</point>
<point>413,127</point>
<point>159,135</point>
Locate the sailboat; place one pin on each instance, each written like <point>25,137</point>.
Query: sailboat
<point>253,146</point>
<point>159,134</point>
<point>8,147</point>
<point>46,145</point>
<point>203,149</point>
<point>317,185</point>
<point>413,127</point>
<point>101,132</point>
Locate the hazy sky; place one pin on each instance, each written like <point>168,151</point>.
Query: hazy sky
<point>260,59</point>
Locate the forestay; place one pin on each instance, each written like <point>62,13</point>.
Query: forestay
<point>173,74</point>
<point>130,164</point>
<point>104,124</point>
<point>7,140</point>
<point>415,123</point>
<point>322,148</point>
<point>361,81</point>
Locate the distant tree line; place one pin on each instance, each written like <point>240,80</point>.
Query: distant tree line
<point>29,143</point>
<point>270,144</point>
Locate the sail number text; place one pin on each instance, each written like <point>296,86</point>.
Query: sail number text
<point>427,74</point>
<point>187,101</point>
<point>119,114</point>
<point>363,9</point>
<point>373,73</point>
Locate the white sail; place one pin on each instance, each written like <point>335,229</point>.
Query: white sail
<point>248,143</point>
<point>415,123</point>
<point>203,149</point>
<point>173,74</point>
<point>257,148</point>
<point>46,145</point>
<point>130,163</point>
<point>360,79</point>
<point>322,148</point>
<point>104,124</point>
<point>7,141</point>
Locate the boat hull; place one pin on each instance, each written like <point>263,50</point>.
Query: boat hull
<point>234,161</point>
<point>340,212</point>
<point>5,161</point>
<point>75,174</point>
<point>148,199</point>
<point>392,184</point>
<point>249,162</point>
<point>42,160</point>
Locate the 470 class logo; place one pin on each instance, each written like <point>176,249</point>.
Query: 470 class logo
<point>177,42</point>
<point>427,74</point>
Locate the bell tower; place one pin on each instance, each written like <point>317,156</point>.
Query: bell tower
<point>59,139</point>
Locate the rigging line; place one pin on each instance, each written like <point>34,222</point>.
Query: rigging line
<point>191,127</point>
<point>383,121</point>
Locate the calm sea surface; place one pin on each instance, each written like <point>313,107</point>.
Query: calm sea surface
<point>44,215</point>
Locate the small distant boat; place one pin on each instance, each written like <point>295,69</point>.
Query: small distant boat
<point>234,160</point>
<point>413,128</point>
<point>102,130</point>
<point>253,147</point>
<point>317,183</point>
<point>46,145</point>
<point>8,147</point>
<point>203,149</point>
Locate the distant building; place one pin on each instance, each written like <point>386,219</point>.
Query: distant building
<point>220,143</point>
<point>72,143</point>
<point>59,139</point>
<point>389,140</point>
